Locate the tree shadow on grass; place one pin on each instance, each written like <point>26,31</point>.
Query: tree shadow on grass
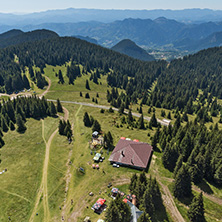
<point>160,213</point>
<point>186,200</point>
<point>205,187</point>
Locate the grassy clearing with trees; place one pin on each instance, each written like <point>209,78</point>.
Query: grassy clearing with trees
<point>23,158</point>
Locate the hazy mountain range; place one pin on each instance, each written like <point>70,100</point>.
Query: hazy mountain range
<point>78,15</point>
<point>144,32</point>
<point>143,27</point>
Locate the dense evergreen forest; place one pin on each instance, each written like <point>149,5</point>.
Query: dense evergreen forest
<point>178,83</point>
<point>192,146</point>
<point>58,51</point>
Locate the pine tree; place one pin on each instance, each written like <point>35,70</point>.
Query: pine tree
<point>163,113</point>
<point>112,213</point>
<point>186,146</point>
<point>218,174</point>
<point>96,126</point>
<point>62,126</point>
<point>154,142</point>
<point>19,110</point>
<point>141,122</point>
<point>179,163</point>
<point>121,109</point>
<point>118,211</point>
<point>59,106</point>
<point>196,210</point>
<point>133,181</point>
<point>185,117</point>
<point>31,73</point>
<point>109,141</point>
<point>52,109</point>
<point>25,82</point>
<point>1,134</point>
<point>87,96</point>
<point>87,85</point>
<point>169,115</point>
<point>142,178</point>
<point>129,117</point>
<point>182,184</point>
<point>11,126</point>
<point>153,120</point>
<point>4,125</point>
<point>95,79</point>
<point>2,143</point>
<point>170,157</point>
<point>86,120</point>
<point>68,130</point>
<point>21,128</point>
<point>149,110</point>
<point>139,192</point>
<point>147,201</point>
<point>61,80</point>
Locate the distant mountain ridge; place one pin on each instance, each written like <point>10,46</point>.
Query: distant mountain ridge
<point>86,38</point>
<point>144,32</point>
<point>160,32</point>
<point>212,40</point>
<point>72,15</point>
<point>129,48</point>
<point>14,37</point>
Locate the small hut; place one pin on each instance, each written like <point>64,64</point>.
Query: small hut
<point>95,134</point>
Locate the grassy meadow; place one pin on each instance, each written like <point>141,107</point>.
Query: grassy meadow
<point>23,155</point>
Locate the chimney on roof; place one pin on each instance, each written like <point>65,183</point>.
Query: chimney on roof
<point>122,153</point>
<point>134,200</point>
<point>132,161</point>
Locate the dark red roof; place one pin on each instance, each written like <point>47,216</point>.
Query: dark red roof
<point>131,153</point>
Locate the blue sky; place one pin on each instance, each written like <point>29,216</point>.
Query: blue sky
<point>43,5</point>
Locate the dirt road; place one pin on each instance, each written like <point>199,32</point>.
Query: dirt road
<point>107,107</point>
<point>43,189</point>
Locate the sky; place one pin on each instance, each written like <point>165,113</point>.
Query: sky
<point>26,6</point>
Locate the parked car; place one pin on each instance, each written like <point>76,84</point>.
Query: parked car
<point>115,165</point>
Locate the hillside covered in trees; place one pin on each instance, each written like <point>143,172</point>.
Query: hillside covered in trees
<point>15,37</point>
<point>58,51</point>
<point>177,86</point>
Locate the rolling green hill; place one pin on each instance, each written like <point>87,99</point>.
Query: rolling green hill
<point>129,48</point>
<point>16,37</point>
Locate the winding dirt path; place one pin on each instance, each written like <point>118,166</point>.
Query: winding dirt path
<point>43,189</point>
<point>211,197</point>
<point>68,177</point>
<point>48,87</point>
<point>170,204</point>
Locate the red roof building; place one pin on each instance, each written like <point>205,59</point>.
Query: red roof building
<point>132,154</point>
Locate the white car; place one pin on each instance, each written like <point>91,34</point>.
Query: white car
<point>115,165</point>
